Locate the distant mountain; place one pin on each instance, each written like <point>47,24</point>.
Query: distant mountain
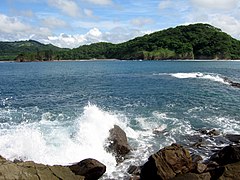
<point>10,50</point>
<point>195,41</point>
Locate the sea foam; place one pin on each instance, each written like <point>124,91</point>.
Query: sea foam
<point>208,76</point>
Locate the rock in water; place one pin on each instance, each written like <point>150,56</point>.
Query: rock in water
<point>167,163</point>
<point>227,155</point>
<point>118,143</point>
<point>90,168</point>
<point>233,137</point>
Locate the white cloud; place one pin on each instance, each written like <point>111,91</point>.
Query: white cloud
<point>12,29</point>
<point>216,4</point>
<point>12,25</point>
<point>165,4</point>
<point>72,41</point>
<point>69,7</point>
<point>100,2</point>
<point>53,22</point>
<point>227,23</point>
<point>116,35</point>
<point>141,21</point>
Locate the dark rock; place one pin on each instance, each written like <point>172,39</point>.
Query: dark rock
<point>231,83</point>
<point>193,176</point>
<point>217,172</point>
<point>213,132</point>
<point>233,137</point>
<point>167,163</point>
<point>91,169</point>
<point>229,154</point>
<point>134,170</point>
<point>235,84</point>
<point>231,171</point>
<point>118,143</point>
<point>203,131</point>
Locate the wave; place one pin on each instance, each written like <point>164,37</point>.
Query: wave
<point>199,75</point>
<point>58,141</point>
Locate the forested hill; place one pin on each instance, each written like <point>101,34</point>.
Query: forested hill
<point>195,41</point>
<point>30,49</point>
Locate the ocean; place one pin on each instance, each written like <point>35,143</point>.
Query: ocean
<point>61,112</point>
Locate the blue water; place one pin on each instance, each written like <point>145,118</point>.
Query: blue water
<point>48,106</point>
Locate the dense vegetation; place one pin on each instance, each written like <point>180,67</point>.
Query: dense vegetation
<point>196,41</point>
<point>29,50</point>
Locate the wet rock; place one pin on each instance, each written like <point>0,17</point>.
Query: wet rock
<point>231,83</point>
<point>118,143</point>
<point>213,132</point>
<point>233,137</point>
<point>196,158</point>
<point>227,155</point>
<point>193,176</point>
<point>91,169</point>
<point>31,170</point>
<point>167,163</point>
<point>134,170</point>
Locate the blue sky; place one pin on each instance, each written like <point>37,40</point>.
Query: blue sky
<point>71,23</point>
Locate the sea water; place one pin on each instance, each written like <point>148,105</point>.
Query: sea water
<point>61,112</point>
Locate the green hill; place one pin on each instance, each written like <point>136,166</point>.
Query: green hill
<point>195,41</point>
<point>10,50</point>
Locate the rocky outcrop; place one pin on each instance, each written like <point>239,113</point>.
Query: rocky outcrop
<point>227,155</point>
<point>167,163</point>
<point>31,170</point>
<point>231,171</point>
<point>91,169</point>
<point>118,143</point>
<point>231,83</point>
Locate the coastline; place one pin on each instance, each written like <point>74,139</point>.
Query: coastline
<point>168,60</point>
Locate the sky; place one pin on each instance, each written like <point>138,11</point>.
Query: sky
<point>72,23</point>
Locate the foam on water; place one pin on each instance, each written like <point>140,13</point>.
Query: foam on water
<point>208,76</point>
<point>53,140</point>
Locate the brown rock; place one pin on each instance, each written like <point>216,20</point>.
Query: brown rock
<point>118,143</point>
<point>200,168</point>
<point>192,176</point>
<point>30,170</point>
<point>231,171</point>
<point>167,163</point>
<point>91,169</point>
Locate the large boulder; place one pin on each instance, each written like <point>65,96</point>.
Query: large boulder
<point>30,170</point>
<point>167,163</point>
<point>231,171</point>
<point>91,169</point>
<point>227,155</point>
<point>233,137</point>
<point>118,143</point>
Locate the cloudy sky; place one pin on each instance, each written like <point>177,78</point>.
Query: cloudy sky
<point>71,23</point>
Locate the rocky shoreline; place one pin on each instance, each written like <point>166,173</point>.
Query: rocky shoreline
<point>176,162</point>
